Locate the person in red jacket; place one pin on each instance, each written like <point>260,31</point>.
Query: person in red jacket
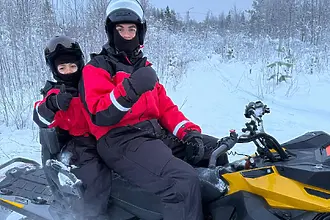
<point>61,108</point>
<point>140,132</point>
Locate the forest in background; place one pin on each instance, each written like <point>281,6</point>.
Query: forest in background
<point>289,38</point>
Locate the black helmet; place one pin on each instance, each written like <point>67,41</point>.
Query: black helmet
<point>125,11</point>
<point>60,47</point>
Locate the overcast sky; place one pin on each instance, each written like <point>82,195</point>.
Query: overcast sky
<point>200,7</point>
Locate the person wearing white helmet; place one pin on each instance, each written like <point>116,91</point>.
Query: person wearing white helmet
<point>132,116</point>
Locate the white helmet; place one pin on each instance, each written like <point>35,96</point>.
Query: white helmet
<point>125,11</point>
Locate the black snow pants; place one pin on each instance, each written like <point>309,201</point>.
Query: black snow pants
<point>92,171</point>
<point>154,162</point>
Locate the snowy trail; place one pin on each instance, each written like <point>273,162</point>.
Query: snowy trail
<point>215,95</point>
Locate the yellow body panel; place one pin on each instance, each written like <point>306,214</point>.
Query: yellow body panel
<point>18,205</point>
<point>279,191</point>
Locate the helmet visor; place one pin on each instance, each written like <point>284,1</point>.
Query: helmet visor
<point>60,44</point>
<point>132,5</point>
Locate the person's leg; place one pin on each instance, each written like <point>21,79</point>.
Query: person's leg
<point>94,174</point>
<point>149,164</point>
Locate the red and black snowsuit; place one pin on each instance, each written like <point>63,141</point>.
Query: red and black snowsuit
<point>71,120</point>
<point>134,138</point>
<point>104,93</point>
<point>80,144</point>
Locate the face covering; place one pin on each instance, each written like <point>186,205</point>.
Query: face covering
<point>121,44</point>
<point>68,79</point>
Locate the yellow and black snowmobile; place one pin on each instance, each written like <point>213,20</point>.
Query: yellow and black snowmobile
<point>279,182</point>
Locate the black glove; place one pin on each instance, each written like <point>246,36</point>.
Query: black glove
<point>142,80</point>
<point>194,147</point>
<point>61,101</point>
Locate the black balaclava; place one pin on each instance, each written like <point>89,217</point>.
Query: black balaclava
<point>68,79</point>
<point>128,46</point>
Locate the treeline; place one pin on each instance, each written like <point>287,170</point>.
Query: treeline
<point>173,39</point>
<point>306,20</point>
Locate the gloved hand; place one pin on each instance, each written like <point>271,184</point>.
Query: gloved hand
<point>61,101</point>
<point>142,80</point>
<point>194,147</point>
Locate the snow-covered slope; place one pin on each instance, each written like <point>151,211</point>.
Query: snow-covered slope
<point>214,95</point>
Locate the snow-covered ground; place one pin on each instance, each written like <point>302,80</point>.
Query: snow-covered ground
<point>214,94</point>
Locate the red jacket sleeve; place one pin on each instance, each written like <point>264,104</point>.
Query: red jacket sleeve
<point>171,117</point>
<point>42,115</point>
<point>103,99</point>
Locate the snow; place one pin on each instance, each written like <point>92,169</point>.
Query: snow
<point>213,94</point>
<point>14,216</point>
<point>18,143</point>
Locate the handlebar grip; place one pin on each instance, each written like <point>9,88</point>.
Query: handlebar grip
<point>225,145</point>
<point>214,156</point>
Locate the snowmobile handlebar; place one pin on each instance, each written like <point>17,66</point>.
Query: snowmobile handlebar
<point>257,134</point>
<point>264,142</point>
<point>225,144</point>
<point>269,141</point>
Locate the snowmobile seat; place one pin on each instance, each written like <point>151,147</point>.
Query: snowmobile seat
<point>30,186</point>
<point>148,206</point>
<point>135,200</point>
<point>124,195</point>
<point>213,186</point>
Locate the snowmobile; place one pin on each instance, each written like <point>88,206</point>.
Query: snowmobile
<point>278,182</point>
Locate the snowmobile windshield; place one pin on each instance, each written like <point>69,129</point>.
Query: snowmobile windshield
<point>116,11</point>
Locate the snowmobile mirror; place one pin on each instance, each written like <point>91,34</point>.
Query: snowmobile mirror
<point>256,109</point>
